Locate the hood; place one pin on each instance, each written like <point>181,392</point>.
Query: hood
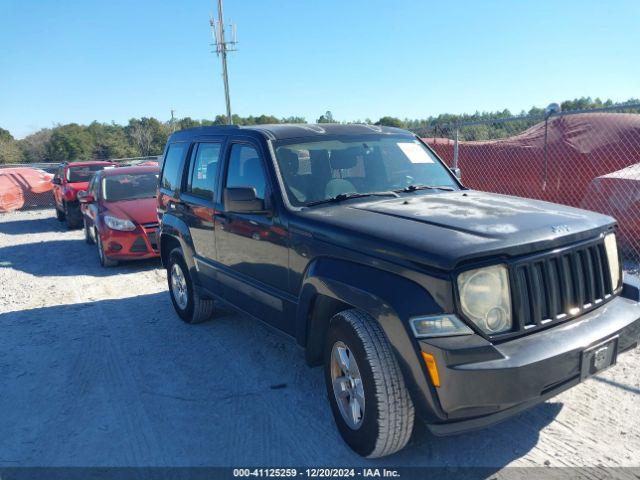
<point>446,229</point>
<point>142,210</point>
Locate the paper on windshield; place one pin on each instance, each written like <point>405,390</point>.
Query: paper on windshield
<point>415,153</point>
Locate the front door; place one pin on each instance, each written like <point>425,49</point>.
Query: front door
<point>90,210</point>
<point>252,247</point>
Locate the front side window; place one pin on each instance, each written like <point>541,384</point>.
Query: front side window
<point>83,173</point>
<point>116,188</point>
<point>203,170</point>
<point>171,171</point>
<point>314,170</point>
<point>93,186</point>
<point>246,170</point>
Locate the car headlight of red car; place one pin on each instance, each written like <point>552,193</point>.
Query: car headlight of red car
<point>115,223</point>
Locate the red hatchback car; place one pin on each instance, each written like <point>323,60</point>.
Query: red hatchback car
<point>119,213</point>
<point>71,178</point>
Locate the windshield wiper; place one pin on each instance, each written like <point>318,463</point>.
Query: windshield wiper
<point>346,196</point>
<point>413,188</point>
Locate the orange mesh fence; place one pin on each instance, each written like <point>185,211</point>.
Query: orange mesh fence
<point>28,186</point>
<point>586,160</point>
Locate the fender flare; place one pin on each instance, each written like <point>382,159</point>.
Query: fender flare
<point>388,298</point>
<point>178,230</point>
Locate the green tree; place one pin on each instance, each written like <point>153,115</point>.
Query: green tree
<point>70,142</point>
<point>109,141</point>
<point>9,150</point>
<point>391,122</point>
<point>294,119</point>
<point>147,135</point>
<point>34,146</point>
<point>187,122</point>
<point>326,118</point>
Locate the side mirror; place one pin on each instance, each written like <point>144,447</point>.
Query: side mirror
<point>457,173</point>
<point>85,197</point>
<point>56,181</point>
<point>242,200</point>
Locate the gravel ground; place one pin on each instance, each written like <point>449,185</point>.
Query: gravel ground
<point>97,370</point>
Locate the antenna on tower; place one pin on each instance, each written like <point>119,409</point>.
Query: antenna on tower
<point>223,45</point>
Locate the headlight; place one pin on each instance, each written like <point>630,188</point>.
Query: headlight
<point>115,223</point>
<point>485,298</point>
<point>439,326</point>
<point>611,248</point>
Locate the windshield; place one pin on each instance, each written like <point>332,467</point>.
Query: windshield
<point>129,187</point>
<point>82,174</point>
<point>316,170</point>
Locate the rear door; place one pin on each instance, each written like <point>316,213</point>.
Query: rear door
<point>197,203</point>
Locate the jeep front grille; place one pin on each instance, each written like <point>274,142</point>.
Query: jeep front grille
<point>557,286</point>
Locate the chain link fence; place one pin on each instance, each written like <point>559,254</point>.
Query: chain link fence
<point>28,185</point>
<point>588,159</point>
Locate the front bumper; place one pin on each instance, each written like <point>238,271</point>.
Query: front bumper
<point>482,383</point>
<point>140,243</point>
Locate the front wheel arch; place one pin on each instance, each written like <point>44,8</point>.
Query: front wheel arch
<point>389,300</point>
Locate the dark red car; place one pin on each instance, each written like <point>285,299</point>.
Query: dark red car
<point>71,178</point>
<point>119,214</point>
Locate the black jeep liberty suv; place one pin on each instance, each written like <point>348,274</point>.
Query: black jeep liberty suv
<point>416,294</point>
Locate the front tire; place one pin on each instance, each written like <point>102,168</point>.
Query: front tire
<point>105,261</point>
<point>72,216</point>
<point>87,233</point>
<point>59,215</point>
<point>369,400</point>
<point>189,305</point>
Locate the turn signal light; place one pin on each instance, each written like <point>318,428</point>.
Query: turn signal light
<point>432,368</point>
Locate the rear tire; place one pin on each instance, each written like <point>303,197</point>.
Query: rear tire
<point>105,261</point>
<point>360,364</point>
<point>189,305</point>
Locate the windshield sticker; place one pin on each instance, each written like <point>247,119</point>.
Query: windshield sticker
<point>415,153</point>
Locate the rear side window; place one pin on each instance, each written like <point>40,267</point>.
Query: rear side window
<point>204,166</point>
<point>171,172</point>
<point>82,174</point>
<point>246,169</point>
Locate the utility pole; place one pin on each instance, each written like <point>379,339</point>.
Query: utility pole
<point>173,125</point>
<point>222,46</point>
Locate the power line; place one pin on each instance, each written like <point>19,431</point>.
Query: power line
<point>222,46</point>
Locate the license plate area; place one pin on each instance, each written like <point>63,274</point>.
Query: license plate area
<point>599,357</point>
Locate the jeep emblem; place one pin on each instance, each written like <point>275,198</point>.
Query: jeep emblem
<point>560,228</point>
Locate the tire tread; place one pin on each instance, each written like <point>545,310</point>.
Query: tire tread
<point>395,409</point>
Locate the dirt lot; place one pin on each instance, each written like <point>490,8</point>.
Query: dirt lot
<point>97,370</point>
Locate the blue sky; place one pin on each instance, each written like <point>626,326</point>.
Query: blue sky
<point>110,60</point>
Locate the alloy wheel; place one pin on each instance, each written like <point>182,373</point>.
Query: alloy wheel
<point>179,286</point>
<point>347,385</point>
